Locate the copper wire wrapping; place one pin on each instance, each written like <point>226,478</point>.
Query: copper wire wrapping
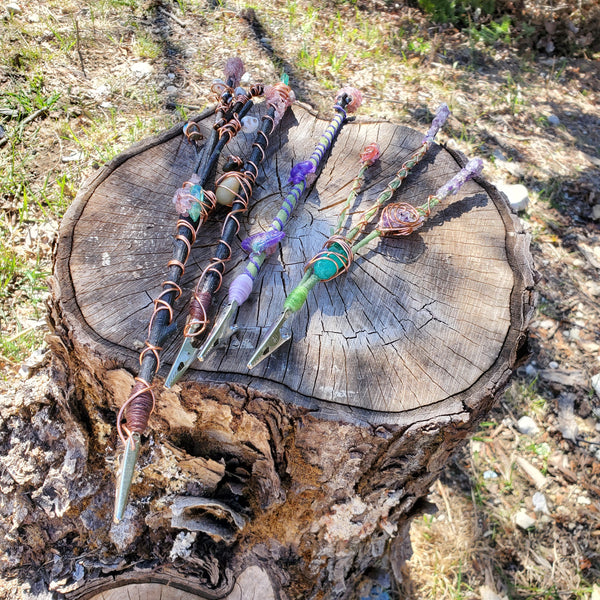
<point>231,127</point>
<point>136,410</point>
<point>199,305</point>
<point>192,132</point>
<point>345,257</point>
<point>399,218</point>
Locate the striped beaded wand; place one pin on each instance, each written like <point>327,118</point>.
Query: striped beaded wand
<point>194,204</point>
<point>337,254</point>
<point>261,245</point>
<point>236,189</point>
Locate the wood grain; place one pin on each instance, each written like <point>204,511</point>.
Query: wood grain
<point>417,320</point>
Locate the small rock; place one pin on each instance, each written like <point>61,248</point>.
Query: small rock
<point>13,9</point>
<point>75,156</point>
<point>527,426</point>
<point>34,18</point>
<point>490,475</point>
<point>553,120</point>
<point>553,365</point>
<point>547,324</point>
<point>142,68</point>
<point>523,520</point>
<point>596,384</point>
<point>171,89</point>
<point>583,500</point>
<point>539,503</point>
<point>106,104</point>
<point>171,76</point>
<point>517,195</point>
<point>596,212</point>
<point>530,370</point>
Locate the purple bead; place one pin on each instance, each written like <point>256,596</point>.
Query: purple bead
<point>240,288</point>
<point>265,241</point>
<point>300,171</point>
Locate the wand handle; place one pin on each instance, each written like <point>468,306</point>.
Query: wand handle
<point>242,285</point>
<point>241,185</point>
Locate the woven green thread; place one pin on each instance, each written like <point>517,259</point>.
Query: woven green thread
<point>298,295</point>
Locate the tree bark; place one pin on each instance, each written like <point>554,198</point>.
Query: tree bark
<point>309,469</point>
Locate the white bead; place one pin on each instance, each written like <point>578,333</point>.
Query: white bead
<point>249,124</point>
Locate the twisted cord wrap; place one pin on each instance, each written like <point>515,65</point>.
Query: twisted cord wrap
<point>136,410</point>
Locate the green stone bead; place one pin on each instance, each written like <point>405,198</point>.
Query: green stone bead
<point>330,263</point>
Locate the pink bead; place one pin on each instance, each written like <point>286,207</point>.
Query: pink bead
<point>234,67</point>
<point>356,96</point>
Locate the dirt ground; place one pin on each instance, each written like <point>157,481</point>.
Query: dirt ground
<point>519,507</point>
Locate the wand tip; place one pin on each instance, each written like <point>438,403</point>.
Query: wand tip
<point>356,98</point>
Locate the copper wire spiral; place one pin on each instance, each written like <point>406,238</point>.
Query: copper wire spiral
<point>399,219</point>
<point>200,302</point>
<point>345,257</point>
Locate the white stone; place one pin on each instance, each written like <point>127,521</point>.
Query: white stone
<point>527,426</point>
<point>530,370</point>
<point>596,384</point>
<point>553,120</point>
<point>13,9</point>
<point>171,89</point>
<point>539,503</point>
<point>490,475</point>
<point>517,195</point>
<point>553,365</point>
<point>142,68</point>
<point>523,520</point>
<point>583,500</point>
<point>596,212</point>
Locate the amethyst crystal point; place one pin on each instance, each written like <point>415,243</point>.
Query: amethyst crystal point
<point>265,241</point>
<point>234,68</point>
<point>300,171</point>
<point>441,115</point>
<point>471,169</point>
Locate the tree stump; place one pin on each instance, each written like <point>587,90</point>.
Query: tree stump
<point>299,476</point>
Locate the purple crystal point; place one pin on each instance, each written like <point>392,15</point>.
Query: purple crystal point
<point>266,241</point>
<point>470,170</point>
<point>441,115</point>
<point>300,171</point>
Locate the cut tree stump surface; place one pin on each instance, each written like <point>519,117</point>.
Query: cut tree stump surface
<point>417,321</point>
